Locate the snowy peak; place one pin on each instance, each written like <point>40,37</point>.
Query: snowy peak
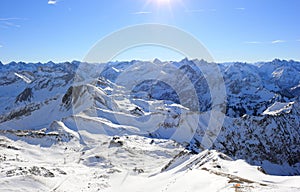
<point>277,108</point>
<point>262,105</point>
<point>135,126</point>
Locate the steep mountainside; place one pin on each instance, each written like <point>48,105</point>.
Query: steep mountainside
<point>56,104</point>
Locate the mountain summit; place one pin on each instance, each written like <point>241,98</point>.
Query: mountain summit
<point>120,121</point>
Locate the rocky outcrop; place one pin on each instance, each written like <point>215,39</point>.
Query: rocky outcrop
<point>262,105</point>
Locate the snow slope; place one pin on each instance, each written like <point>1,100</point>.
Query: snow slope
<point>138,164</point>
<point>135,126</point>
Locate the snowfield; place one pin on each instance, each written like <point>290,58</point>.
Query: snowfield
<point>138,164</point>
<point>278,108</point>
<point>118,127</point>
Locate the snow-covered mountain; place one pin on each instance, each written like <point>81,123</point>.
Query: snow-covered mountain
<point>111,126</point>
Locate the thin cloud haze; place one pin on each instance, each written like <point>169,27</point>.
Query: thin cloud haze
<point>266,42</point>
<point>278,41</point>
<point>253,42</point>
<point>9,22</point>
<point>12,18</point>
<point>141,13</point>
<point>52,2</point>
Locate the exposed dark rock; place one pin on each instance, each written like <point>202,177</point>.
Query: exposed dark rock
<point>26,95</point>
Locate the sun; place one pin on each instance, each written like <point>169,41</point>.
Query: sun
<point>163,5</point>
<point>163,1</point>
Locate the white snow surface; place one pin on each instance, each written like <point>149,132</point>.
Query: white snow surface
<point>23,77</point>
<point>278,108</point>
<point>96,135</point>
<point>138,165</point>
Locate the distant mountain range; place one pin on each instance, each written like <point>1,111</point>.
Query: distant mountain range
<point>75,102</point>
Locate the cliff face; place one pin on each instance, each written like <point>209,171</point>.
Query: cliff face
<point>262,115</point>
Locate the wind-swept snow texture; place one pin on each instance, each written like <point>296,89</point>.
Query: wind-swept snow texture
<point>78,127</point>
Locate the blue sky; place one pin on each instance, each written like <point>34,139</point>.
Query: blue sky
<point>232,30</point>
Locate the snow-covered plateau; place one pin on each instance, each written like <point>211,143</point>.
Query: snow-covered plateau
<point>150,126</point>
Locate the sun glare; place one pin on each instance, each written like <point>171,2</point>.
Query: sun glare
<point>163,1</point>
<point>164,9</point>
